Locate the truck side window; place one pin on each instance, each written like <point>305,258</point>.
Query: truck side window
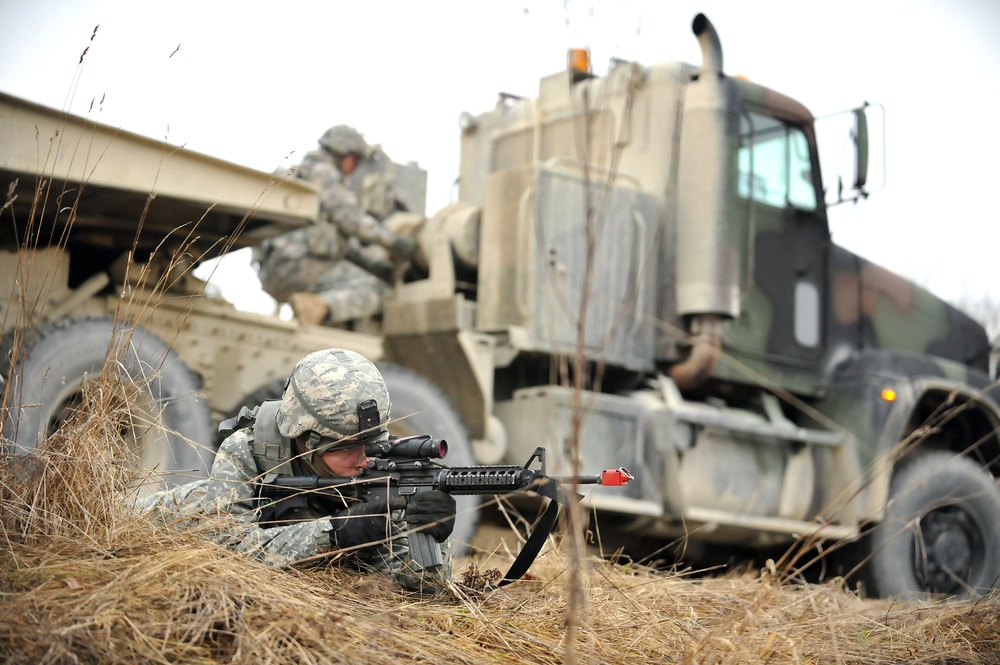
<point>774,164</point>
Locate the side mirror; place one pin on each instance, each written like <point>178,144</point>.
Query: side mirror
<point>851,145</point>
<point>861,147</point>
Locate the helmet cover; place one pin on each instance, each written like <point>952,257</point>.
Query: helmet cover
<point>329,393</point>
<point>344,140</point>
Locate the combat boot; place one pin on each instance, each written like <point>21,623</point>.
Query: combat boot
<point>309,308</point>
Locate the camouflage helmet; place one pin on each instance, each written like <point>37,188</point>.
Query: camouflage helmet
<point>344,140</point>
<point>334,395</point>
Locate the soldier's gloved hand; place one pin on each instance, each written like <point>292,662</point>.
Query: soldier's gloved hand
<point>434,508</point>
<point>404,247</point>
<point>361,524</point>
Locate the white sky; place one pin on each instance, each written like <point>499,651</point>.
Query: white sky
<point>257,82</point>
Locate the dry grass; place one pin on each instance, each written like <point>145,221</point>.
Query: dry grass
<point>85,581</point>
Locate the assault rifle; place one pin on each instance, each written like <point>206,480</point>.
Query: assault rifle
<point>408,466</point>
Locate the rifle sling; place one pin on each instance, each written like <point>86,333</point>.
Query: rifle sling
<point>528,553</point>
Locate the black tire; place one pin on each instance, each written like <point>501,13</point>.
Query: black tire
<point>941,534</point>
<point>421,408</point>
<point>54,362</point>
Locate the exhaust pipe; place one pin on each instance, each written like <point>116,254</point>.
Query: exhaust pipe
<point>711,47</point>
<point>709,235</point>
<point>706,345</point>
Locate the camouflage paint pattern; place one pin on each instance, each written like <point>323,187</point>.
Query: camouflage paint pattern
<point>816,325</point>
<point>642,116</point>
<point>223,507</point>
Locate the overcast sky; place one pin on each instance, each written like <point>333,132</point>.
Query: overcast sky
<point>257,82</point>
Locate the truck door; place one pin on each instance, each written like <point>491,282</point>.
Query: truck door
<point>780,328</point>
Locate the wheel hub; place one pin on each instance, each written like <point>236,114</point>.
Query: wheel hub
<point>948,545</point>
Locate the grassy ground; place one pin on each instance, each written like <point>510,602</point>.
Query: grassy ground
<point>83,581</point>
<point>145,596</point>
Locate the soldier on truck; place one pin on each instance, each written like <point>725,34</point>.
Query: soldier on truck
<point>316,269</point>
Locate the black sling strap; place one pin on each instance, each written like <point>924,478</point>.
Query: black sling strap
<point>528,553</point>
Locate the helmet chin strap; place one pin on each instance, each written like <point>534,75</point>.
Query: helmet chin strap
<point>321,468</point>
<point>312,459</point>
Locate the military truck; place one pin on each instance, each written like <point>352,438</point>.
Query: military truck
<point>668,224</point>
<point>639,272</point>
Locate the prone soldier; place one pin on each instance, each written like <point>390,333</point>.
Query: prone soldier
<point>334,403</point>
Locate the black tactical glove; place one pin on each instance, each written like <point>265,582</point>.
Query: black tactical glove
<point>361,524</point>
<point>434,508</point>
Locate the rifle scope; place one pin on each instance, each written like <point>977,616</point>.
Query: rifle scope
<point>423,445</point>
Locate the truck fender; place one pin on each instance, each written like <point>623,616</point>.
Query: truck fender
<point>933,413</point>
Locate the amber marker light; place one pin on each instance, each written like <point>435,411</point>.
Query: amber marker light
<point>579,60</point>
<point>888,394</point>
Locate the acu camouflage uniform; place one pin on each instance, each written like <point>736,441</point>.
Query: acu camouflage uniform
<point>315,259</point>
<point>227,507</point>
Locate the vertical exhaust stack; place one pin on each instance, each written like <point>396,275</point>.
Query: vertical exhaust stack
<point>711,47</point>
<point>708,247</point>
<point>709,238</point>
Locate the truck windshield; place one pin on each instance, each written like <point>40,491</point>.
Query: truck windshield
<point>774,164</point>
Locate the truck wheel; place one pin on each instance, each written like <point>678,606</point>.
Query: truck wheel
<point>941,535</point>
<point>428,411</point>
<point>171,423</point>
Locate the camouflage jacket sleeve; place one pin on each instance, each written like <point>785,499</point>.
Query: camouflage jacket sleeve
<point>223,506</point>
<point>340,205</point>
